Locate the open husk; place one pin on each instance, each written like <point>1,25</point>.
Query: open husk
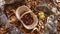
<point>26,10</point>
